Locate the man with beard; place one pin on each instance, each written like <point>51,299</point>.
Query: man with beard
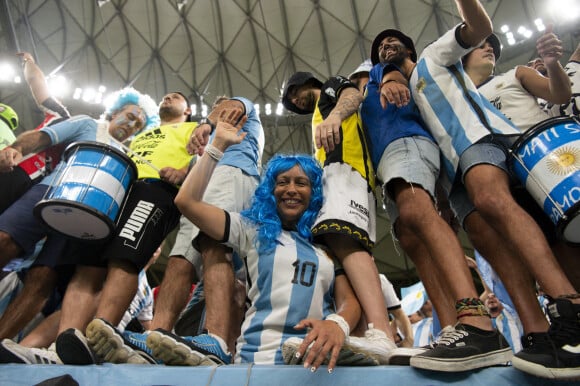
<point>230,188</point>
<point>105,279</point>
<point>346,223</point>
<point>406,159</point>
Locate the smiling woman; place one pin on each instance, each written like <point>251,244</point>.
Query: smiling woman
<point>274,235</point>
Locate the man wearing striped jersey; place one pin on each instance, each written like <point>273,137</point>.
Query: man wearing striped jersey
<point>468,130</point>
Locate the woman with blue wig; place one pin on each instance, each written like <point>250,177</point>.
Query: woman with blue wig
<point>295,289</point>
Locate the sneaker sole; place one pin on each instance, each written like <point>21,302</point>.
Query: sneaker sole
<point>8,356</point>
<point>109,346</point>
<point>175,353</point>
<point>72,351</point>
<point>572,374</point>
<point>495,358</point>
<point>402,355</point>
<point>380,358</point>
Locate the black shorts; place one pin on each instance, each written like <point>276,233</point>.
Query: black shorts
<point>14,184</point>
<point>148,215</point>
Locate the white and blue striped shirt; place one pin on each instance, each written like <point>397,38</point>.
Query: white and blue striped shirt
<point>290,283</point>
<point>456,114</point>
<point>510,327</point>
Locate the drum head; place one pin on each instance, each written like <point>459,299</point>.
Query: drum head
<point>75,220</point>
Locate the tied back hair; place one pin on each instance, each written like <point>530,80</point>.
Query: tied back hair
<point>263,211</point>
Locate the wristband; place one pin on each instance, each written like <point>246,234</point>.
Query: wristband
<point>214,152</point>
<point>341,323</point>
<point>385,82</point>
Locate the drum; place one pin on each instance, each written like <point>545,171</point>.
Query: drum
<point>546,160</point>
<point>87,194</point>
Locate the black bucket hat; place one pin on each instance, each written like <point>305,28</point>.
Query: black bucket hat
<point>298,79</point>
<point>407,41</point>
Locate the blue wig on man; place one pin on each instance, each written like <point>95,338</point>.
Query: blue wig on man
<point>129,96</point>
<point>263,211</point>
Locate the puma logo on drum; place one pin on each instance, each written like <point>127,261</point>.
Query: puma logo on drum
<point>137,220</point>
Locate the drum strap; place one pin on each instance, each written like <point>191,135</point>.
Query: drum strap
<point>476,107</point>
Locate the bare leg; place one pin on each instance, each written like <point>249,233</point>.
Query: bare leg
<point>218,285</point>
<point>8,249</point>
<point>418,213</point>
<point>173,293</point>
<point>82,297</point>
<point>39,283</point>
<point>488,189</point>
<point>568,256</point>
<point>45,333</point>
<point>428,271</point>
<point>513,273</point>
<point>118,292</point>
<point>364,277</point>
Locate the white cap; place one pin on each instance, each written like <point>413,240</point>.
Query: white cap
<point>363,67</point>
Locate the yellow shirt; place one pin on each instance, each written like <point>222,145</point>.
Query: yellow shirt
<point>163,147</point>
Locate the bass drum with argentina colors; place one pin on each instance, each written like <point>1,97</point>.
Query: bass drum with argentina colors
<point>87,194</point>
<point>546,160</point>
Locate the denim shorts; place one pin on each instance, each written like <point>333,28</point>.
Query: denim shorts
<point>476,154</point>
<point>415,160</point>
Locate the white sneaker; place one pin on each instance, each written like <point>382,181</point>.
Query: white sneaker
<point>346,357</point>
<point>375,344</point>
<point>12,352</point>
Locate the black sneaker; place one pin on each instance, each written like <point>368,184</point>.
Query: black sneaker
<point>110,345</point>
<point>466,348</point>
<point>73,349</point>
<point>556,354</point>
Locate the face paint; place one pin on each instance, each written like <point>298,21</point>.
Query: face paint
<point>127,122</point>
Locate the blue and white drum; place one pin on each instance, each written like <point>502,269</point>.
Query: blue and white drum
<point>546,160</point>
<point>87,194</point>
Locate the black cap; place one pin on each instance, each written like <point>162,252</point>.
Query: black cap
<point>407,41</point>
<point>493,40</point>
<point>298,79</point>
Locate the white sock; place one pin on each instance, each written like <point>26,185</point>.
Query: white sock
<point>222,343</point>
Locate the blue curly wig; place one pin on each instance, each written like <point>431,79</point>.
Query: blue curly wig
<point>263,211</point>
<point>130,96</point>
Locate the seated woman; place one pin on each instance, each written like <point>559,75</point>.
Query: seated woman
<point>294,288</point>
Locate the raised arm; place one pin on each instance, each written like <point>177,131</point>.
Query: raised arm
<point>477,24</point>
<point>208,218</point>
<point>35,78</point>
<point>556,87</point>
